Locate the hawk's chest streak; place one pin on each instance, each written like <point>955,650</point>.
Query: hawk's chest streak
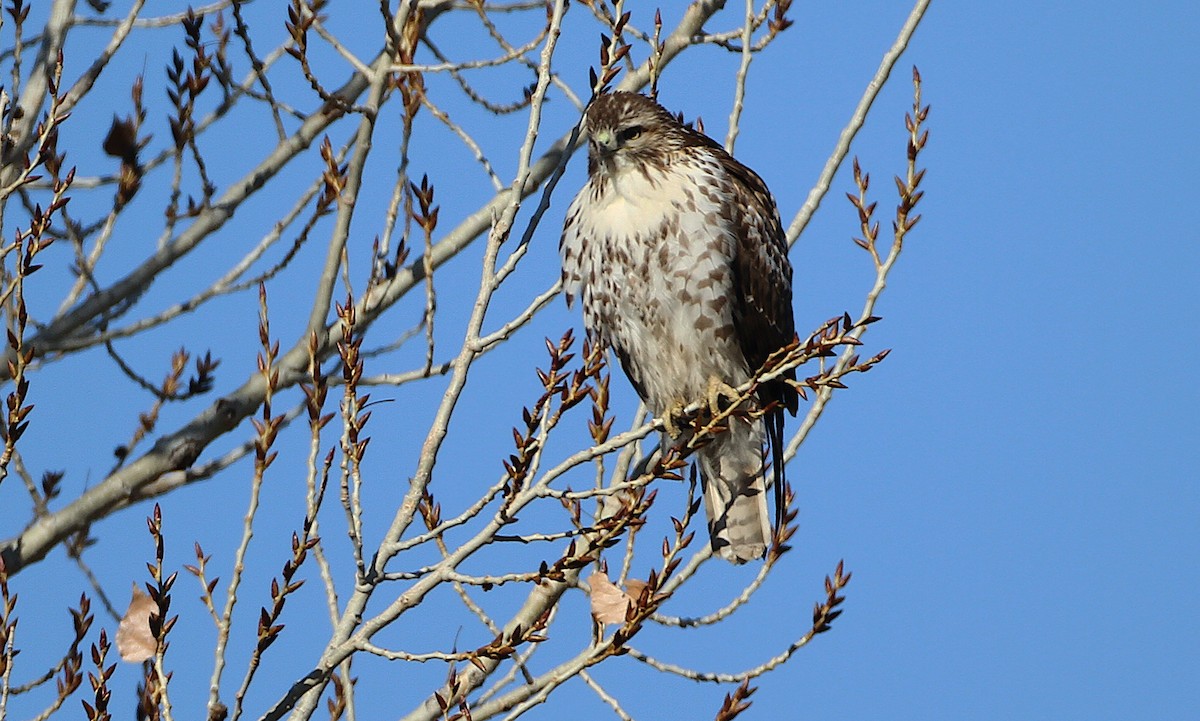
<point>658,269</point>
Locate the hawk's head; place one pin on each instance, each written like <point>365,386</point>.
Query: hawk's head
<point>626,129</point>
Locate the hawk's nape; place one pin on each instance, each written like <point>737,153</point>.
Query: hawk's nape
<point>679,256</point>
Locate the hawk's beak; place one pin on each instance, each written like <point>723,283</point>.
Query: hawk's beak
<point>605,141</point>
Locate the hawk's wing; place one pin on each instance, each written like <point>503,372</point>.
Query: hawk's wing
<point>762,275</point>
<point>762,279</point>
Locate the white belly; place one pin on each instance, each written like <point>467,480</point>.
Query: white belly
<point>657,286</point>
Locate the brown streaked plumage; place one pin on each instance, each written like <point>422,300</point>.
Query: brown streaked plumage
<point>679,256</point>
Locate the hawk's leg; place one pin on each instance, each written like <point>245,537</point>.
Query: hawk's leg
<point>719,390</point>
<point>672,416</point>
<point>718,396</point>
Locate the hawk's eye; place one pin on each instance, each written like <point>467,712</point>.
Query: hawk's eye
<point>629,133</point>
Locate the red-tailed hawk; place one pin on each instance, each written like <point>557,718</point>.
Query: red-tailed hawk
<point>680,258</point>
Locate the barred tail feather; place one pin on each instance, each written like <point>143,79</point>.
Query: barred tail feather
<point>735,492</point>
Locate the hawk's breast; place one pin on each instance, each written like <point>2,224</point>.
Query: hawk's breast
<point>650,250</point>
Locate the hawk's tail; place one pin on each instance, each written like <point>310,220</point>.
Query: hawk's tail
<point>735,492</point>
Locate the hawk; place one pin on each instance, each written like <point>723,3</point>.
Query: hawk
<point>680,259</point>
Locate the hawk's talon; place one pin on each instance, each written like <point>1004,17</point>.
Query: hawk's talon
<point>719,390</point>
<point>671,417</point>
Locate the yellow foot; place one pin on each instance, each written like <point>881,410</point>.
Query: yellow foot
<point>671,418</point>
<point>719,390</point>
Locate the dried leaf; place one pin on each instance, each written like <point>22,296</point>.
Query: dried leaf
<point>135,642</point>
<point>634,588</point>
<point>609,602</point>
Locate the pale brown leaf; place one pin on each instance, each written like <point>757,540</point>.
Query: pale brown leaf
<point>134,640</point>
<point>609,602</point>
<point>634,588</point>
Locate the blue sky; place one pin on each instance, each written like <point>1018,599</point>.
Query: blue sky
<point>1021,514</point>
<point>1015,488</point>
